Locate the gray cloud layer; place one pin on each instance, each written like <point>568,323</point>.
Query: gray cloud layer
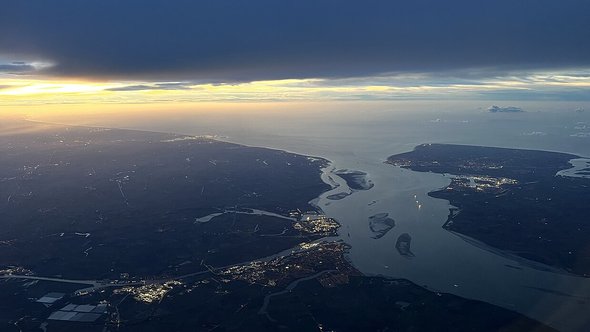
<point>157,86</point>
<point>16,67</point>
<point>220,40</point>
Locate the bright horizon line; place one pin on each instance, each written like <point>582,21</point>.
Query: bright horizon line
<point>18,91</point>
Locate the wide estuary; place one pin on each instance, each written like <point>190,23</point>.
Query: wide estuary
<point>433,257</point>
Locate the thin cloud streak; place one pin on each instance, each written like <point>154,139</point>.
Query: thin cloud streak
<point>530,86</point>
<point>156,86</point>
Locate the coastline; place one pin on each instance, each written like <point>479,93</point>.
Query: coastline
<point>384,263</point>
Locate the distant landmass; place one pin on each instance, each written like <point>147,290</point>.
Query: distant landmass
<point>97,200</point>
<point>507,109</point>
<point>513,200</point>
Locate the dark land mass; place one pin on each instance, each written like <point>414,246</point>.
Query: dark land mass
<point>123,210</point>
<point>392,305</point>
<point>94,203</point>
<point>380,224</point>
<point>356,180</point>
<point>404,244</point>
<point>512,200</point>
<point>339,196</point>
<point>314,289</point>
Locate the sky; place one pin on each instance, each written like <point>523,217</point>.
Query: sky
<point>171,52</point>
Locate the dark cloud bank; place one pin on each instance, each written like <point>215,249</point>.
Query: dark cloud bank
<point>222,40</point>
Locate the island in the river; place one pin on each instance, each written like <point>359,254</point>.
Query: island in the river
<point>355,180</point>
<point>513,200</point>
<point>121,230</point>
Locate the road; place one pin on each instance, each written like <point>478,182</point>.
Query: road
<point>95,284</point>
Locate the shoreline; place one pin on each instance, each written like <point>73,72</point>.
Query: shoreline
<point>401,272</point>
